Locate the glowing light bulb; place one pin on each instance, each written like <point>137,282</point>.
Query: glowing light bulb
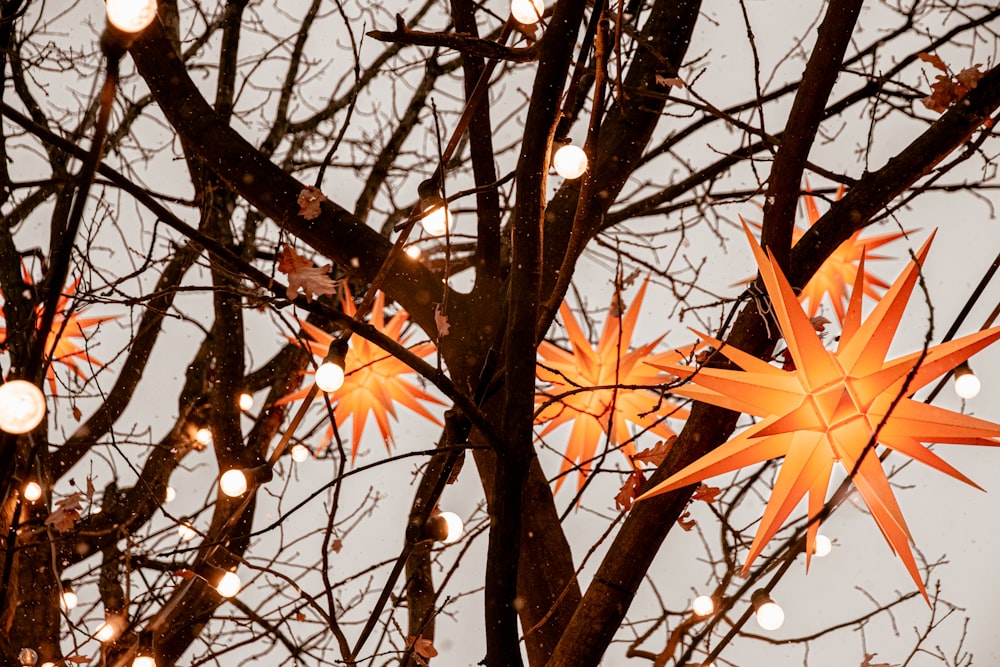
<point>246,401</point>
<point>413,251</point>
<point>22,406</point>
<point>169,495</point>
<point>69,598</point>
<point>967,385</point>
<point>144,661</point>
<point>131,15</point>
<point>330,376</point>
<point>527,12</point>
<point>300,453</point>
<point>203,435</point>
<point>186,531</point>
<point>703,605</point>
<point>769,615</point>
<point>823,546</point>
<point>233,483</point>
<point>27,657</point>
<point>570,161</point>
<point>455,527</point>
<point>229,585</point>
<point>105,632</point>
<point>32,491</point>
<point>435,217</point>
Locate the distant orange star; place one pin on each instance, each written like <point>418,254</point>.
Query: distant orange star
<point>59,342</point>
<point>374,382</point>
<point>827,409</point>
<point>581,385</point>
<point>841,268</point>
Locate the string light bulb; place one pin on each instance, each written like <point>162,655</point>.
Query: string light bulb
<point>169,495</point>
<point>145,656</point>
<point>108,630</point>
<point>527,12</point>
<point>131,15</point>
<point>444,527</point>
<point>32,491</point>
<point>769,615</point>
<point>246,401</point>
<point>823,546</point>
<point>330,374</point>
<point>703,605</point>
<point>227,583</point>
<point>300,453</point>
<point>413,251</point>
<point>967,385</point>
<point>27,657</point>
<point>203,435</point>
<point>235,482</point>
<point>186,531</point>
<point>69,599</point>
<point>570,161</point>
<point>22,406</point>
<point>435,217</point>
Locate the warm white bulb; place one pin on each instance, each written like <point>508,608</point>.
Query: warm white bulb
<point>455,527</point>
<point>570,161</point>
<point>22,406</point>
<point>967,385</point>
<point>169,495</point>
<point>233,483</point>
<point>131,15</point>
<point>32,491</point>
<point>69,599</point>
<point>527,11</point>
<point>47,664</point>
<point>413,251</point>
<point>246,401</point>
<point>144,661</point>
<point>770,616</point>
<point>300,453</point>
<point>703,605</point>
<point>437,220</point>
<point>823,546</point>
<point>204,435</point>
<point>105,632</point>
<point>329,376</point>
<point>186,531</point>
<point>229,585</point>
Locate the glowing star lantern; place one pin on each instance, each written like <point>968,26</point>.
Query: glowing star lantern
<point>131,15</point>
<point>59,343</point>
<point>570,161</point>
<point>527,12</point>
<point>841,268</point>
<point>375,381</point>
<point>22,406</point>
<point>581,385</point>
<point>828,407</point>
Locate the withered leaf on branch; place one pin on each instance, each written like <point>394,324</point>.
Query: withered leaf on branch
<point>657,453</point>
<point>707,493</point>
<point>67,512</point>
<point>422,647</point>
<point>302,273</point>
<point>309,202</point>
<point>630,490</point>
<point>948,88</point>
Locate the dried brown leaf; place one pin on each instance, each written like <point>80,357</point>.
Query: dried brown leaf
<point>934,60</point>
<point>422,647</point>
<point>309,202</point>
<point>707,493</point>
<point>686,522</point>
<point>657,453</point>
<point>867,662</point>
<point>441,320</point>
<point>630,490</point>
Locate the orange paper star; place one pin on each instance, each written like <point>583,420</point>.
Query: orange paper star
<point>829,406</point>
<point>67,327</point>
<point>581,387</point>
<point>374,380</point>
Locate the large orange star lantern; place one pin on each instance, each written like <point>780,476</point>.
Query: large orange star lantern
<point>374,381</point>
<point>830,406</point>
<point>61,340</point>
<point>582,389</point>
